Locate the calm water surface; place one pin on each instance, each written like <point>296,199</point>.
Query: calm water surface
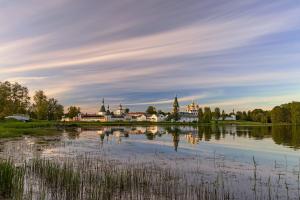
<point>232,152</point>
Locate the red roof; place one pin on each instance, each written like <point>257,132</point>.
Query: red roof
<point>136,113</point>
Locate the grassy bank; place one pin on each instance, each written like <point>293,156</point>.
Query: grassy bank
<point>17,129</point>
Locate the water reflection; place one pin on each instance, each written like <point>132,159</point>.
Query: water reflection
<point>282,135</point>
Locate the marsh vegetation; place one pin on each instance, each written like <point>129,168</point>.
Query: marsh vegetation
<point>153,163</point>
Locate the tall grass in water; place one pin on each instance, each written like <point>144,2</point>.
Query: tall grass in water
<point>11,180</point>
<point>103,179</point>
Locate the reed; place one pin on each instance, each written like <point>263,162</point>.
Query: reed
<point>92,178</point>
<point>103,179</point>
<point>11,180</point>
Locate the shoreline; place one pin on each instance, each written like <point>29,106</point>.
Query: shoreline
<point>11,129</point>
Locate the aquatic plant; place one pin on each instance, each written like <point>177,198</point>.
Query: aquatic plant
<point>104,179</point>
<point>11,180</point>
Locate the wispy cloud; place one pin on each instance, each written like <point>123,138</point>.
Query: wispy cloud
<point>26,79</point>
<point>181,99</point>
<point>155,48</point>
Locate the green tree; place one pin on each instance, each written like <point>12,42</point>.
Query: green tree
<point>73,111</point>
<point>223,115</point>
<point>257,115</point>
<point>295,112</point>
<point>207,116</point>
<point>200,115</point>
<point>239,115</point>
<point>280,114</point>
<point>55,110</point>
<point>4,99</point>
<point>40,105</point>
<point>14,99</point>
<point>244,116</point>
<point>151,110</point>
<point>217,113</point>
<point>161,112</point>
<point>175,113</point>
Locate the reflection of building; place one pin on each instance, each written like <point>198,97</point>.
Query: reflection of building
<point>192,138</point>
<point>152,129</point>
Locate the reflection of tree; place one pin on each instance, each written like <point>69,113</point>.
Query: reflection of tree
<point>286,135</point>
<point>260,132</point>
<point>150,136</point>
<point>107,133</point>
<point>73,133</point>
<point>216,131</point>
<point>200,132</point>
<point>207,133</point>
<point>175,131</point>
<point>176,137</point>
<point>102,136</point>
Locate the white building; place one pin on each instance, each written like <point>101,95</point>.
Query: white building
<point>187,117</point>
<point>192,109</point>
<point>156,118</point>
<point>137,116</point>
<point>190,114</point>
<point>230,118</point>
<point>119,111</point>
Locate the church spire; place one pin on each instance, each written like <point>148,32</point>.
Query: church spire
<point>102,109</point>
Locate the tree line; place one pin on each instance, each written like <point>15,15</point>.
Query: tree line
<point>15,99</point>
<point>285,113</point>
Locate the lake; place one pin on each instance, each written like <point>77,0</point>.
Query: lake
<point>246,162</point>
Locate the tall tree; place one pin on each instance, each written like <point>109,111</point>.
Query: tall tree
<point>200,115</point>
<point>223,115</point>
<point>295,112</point>
<point>160,112</point>
<point>40,105</point>
<point>73,111</point>
<point>20,99</point>
<point>207,116</point>
<point>55,110</point>
<point>239,115</point>
<point>176,109</point>
<point>279,114</point>
<point>14,99</point>
<point>151,110</point>
<point>4,99</point>
<point>244,116</point>
<point>217,113</point>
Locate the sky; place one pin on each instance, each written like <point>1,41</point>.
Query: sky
<point>231,54</point>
